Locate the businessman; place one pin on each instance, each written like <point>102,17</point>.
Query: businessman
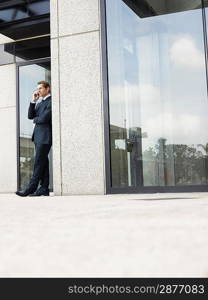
<point>40,113</point>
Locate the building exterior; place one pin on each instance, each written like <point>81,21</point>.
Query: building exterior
<point>129,93</point>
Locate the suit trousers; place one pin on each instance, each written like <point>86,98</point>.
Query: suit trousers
<point>41,167</point>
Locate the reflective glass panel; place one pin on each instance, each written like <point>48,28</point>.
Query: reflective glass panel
<point>157,93</point>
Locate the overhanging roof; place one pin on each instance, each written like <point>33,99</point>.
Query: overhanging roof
<point>24,18</point>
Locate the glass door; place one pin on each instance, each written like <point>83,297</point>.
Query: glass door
<point>29,75</point>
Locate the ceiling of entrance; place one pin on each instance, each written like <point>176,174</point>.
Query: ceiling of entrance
<point>24,18</point>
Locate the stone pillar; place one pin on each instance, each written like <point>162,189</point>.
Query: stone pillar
<point>8,157</point>
<point>78,138</point>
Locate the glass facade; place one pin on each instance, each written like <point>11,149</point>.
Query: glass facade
<point>157,77</point>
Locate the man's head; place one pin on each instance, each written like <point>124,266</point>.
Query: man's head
<point>43,88</point>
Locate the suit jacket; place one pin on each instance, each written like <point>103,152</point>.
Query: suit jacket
<point>41,116</point>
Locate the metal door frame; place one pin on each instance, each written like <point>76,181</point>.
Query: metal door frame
<point>18,65</point>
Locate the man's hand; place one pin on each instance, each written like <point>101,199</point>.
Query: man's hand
<point>35,96</point>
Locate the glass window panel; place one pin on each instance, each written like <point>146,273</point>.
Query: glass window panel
<point>29,75</point>
<point>157,93</point>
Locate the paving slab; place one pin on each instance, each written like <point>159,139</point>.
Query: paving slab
<point>136,235</point>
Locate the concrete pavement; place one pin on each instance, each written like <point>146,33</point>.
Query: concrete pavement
<point>137,235</point>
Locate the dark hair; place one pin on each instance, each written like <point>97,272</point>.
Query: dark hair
<point>45,84</point>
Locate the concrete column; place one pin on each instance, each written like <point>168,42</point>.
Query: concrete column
<point>78,149</point>
<point>8,157</point>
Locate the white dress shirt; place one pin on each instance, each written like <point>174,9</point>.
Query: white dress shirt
<point>38,101</point>
<point>46,96</point>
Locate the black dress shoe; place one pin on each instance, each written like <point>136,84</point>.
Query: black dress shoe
<point>23,193</point>
<point>40,192</point>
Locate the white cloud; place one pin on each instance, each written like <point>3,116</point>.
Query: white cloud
<point>174,127</point>
<point>184,52</point>
<point>134,93</point>
<point>185,128</point>
<point>149,92</point>
<point>132,102</point>
<point>157,115</point>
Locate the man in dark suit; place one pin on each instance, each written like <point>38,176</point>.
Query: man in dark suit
<point>40,113</point>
